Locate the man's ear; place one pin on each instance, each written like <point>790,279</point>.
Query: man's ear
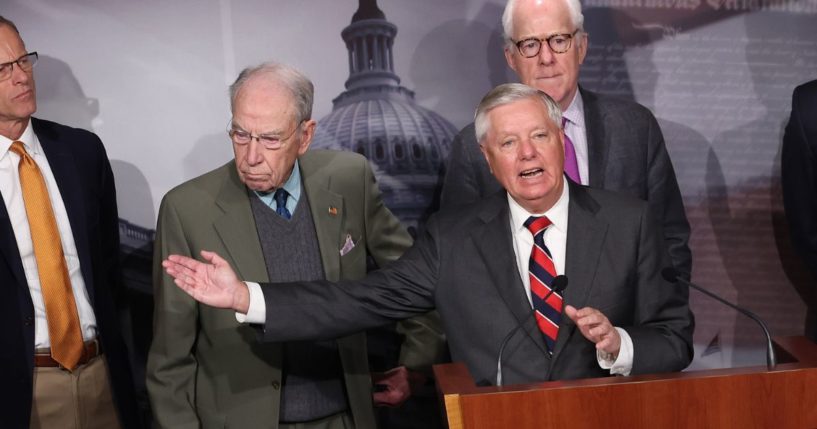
<point>307,133</point>
<point>509,58</point>
<point>484,151</point>
<point>584,39</point>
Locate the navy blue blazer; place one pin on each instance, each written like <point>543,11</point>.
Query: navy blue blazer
<point>84,177</point>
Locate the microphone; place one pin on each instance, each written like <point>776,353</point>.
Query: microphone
<point>672,275</point>
<point>559,284</point>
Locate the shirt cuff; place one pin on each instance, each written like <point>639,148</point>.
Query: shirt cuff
<point>624,363</point>
<point>257,311</point>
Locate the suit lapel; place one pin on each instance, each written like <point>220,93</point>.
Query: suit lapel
<point>585,239</point>
<point>237,231</point>
<point>494,244</point>
<point>63,167</point>
<point>9,249</point>
<point>328,222</point>
<point>597,148</point>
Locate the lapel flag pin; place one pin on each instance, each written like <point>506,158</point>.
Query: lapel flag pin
<point>333,211</point>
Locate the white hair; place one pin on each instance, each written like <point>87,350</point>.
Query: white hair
<point>296,82</point>
<point>508,93</point>
<point>573,6</point>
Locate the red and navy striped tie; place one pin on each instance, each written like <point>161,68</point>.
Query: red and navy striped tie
<point>542,272</point>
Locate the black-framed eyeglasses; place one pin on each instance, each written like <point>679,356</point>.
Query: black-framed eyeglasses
<point>25,62</point>
<point>269,141</point>
<point>558,43</point>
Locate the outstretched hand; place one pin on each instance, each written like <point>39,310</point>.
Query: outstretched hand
<point>213,283</point>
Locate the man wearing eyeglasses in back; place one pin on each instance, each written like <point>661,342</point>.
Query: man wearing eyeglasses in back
<point>609,143</point>
<point>277,212</point>
<point>64,361</point>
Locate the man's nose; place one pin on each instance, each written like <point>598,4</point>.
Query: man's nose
<point>254,155</point>
<point>18,75</point>
<point>526,149</point>
<point>546,56</point>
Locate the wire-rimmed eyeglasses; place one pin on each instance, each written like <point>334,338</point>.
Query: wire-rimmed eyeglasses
<point>25,62</point>
<point>269,141</point>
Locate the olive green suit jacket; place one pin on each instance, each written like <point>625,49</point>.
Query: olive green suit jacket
<point>204,368</point>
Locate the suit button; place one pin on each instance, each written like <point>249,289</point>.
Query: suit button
<point>276,385</point>
<point>29,321</point>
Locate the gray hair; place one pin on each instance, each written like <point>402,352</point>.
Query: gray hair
<point>296,82</point>
<point>508,93</point>
<point>6,21</point>
<point>573,6</point>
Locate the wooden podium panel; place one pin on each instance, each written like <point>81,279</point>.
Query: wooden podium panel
<point>750,397</point>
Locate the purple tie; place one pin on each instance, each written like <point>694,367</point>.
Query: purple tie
<point>571,163</point>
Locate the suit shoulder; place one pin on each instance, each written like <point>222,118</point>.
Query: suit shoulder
<point>339,166</point>
<point>611,105</point>
<point>612,203</point>
<point>808,90</point>
<point>81,139</point>
<point>196,188</point>
<point>464,216</point>
<point>467,133</point>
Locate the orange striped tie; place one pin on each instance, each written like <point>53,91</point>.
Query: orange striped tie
<point>60,308</point>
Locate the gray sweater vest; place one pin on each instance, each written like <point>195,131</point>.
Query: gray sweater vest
<point>312,382</point>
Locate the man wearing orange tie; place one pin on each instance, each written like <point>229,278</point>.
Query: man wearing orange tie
<point>64,362</point>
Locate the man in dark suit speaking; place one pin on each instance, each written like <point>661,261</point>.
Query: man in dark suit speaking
<point>64,361</point>
<point>486,265</point>
<point>610,143</point>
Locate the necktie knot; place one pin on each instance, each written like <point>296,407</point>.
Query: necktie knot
<point>18,148</point>
<point>537,224</point>
<point>280,198</point>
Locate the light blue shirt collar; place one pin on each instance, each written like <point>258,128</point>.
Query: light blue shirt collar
<point>292,186</point>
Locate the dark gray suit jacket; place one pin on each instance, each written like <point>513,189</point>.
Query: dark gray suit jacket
<point>626,153</point>
<point>464,265</point>
<point>799,174</point>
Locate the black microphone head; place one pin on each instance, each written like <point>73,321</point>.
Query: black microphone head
<point>559,283</point>
<point>670,274</point>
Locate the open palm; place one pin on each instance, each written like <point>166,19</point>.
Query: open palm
<point>213,283</point>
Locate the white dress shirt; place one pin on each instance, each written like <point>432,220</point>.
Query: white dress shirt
<point>555,238</point>
<point>12,193</point>
<point>576,129</point>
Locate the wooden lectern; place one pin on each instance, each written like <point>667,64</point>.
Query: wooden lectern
<point>750,397</point>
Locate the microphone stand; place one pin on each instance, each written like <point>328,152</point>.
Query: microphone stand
<point>672,275</point>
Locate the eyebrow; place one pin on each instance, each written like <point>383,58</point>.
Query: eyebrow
<point>552,33</point>
<point>275,133</point>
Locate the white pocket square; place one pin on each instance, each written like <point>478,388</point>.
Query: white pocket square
<point>348,245</point>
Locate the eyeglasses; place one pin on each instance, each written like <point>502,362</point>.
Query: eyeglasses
<point>25,62</point>
<point>558,43</point>
<point>269,141</point>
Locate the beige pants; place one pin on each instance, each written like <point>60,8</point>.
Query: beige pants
<point>73,400</point>
<point>338,421</point>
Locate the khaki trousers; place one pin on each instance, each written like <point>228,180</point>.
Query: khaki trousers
<point>338,421</point>
<point>74,400</point>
